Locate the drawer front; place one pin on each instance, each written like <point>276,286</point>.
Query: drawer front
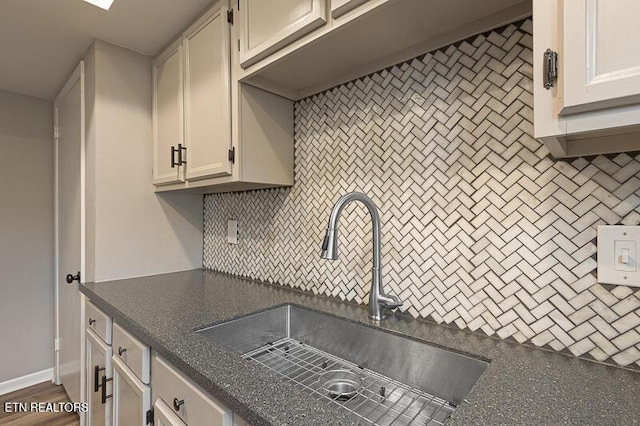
<point>194,407</point>
<point>99,322</point>
<point>165,416</point>
<point>132,352</point>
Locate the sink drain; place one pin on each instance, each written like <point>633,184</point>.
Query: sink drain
<point>340,384</point>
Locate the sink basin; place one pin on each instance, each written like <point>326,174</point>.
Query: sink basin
<point>403,381</point>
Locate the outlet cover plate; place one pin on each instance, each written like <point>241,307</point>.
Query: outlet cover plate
<point>232,231</point>
<point>618,247</point>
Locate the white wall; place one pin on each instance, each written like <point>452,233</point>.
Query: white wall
<point>26,235</point>
<point>132,231</point>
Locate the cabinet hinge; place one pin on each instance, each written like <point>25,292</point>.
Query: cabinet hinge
<point>149,416</point>
<point>56,344</point>
<point>550,68</point>
<point>230,16</point>
<point>232,154</point>
<point>56,132</point>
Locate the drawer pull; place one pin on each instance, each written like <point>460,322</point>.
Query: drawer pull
<point>121,350</point>
<point>91,321</point>
<point>177,403</point>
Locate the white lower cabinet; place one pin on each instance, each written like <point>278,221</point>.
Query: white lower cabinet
<point>122,376</point>
<point>132,353</point>
<point>131,397</point>
<point>164,416</point>
<point>98,364</point>
<point>188,402</point>
<point>99,322</point>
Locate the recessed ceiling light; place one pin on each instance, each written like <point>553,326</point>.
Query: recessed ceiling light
<point>103,4</point>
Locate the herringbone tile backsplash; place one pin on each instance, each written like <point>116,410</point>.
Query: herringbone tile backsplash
<point>481,228</point>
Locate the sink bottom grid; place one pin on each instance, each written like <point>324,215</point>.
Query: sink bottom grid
<point>380,401</point>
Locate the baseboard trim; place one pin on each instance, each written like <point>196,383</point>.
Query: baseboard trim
<point>26,381</point>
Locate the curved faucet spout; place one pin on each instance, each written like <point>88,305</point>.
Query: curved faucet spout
<point>330,242</point>
<point>377,299</point>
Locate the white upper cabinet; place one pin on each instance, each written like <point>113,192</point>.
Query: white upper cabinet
<point>298,48</point>
<point>235,137</point>
<point>266,26</point>
<point>340,7</point>
<point>168,128</point>
<point>207,90</point>
<point>601,54</point>
<point>192,103</point>
<point>592,103</point>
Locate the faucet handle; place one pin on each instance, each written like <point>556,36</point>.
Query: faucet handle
<point>390,301</point>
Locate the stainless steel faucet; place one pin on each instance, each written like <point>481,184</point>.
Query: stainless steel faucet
<point>378,301</point>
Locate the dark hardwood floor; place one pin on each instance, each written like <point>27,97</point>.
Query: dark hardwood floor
<point>42,393</point>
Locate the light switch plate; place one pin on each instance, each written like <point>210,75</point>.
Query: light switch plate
<point>618,249</point>
<point>232,231</point>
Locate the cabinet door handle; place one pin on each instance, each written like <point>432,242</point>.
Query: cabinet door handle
<point>181,160</point>
<point>178,151</point>
<point>104,389</point>
<point>174,151</point>
<point>91,321</point>
<point>96,378</point>
<point>177,403</point>
<point>121,350</point>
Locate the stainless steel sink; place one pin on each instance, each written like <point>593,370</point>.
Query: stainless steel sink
<point>403,381</point>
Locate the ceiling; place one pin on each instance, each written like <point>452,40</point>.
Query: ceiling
<point>41,41</point>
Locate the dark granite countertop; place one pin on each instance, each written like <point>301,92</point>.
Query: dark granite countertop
<point>522,385</point>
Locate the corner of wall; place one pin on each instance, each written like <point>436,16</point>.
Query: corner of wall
<point>137,232</point>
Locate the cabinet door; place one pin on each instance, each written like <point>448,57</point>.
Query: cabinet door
<point>340,7</point>
<point>208,96</point>
<point>164,416</point>
<point>601,60</point>
<point>131,397</point>
<point>266,26</point>
<point>98,364</point>
<point>168,116</point>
